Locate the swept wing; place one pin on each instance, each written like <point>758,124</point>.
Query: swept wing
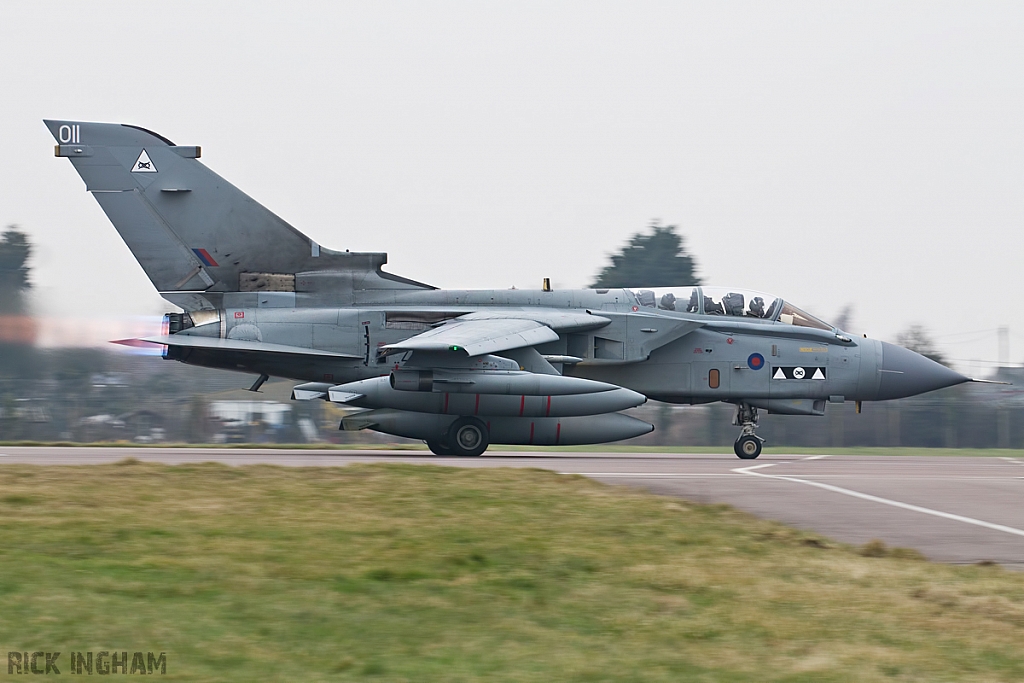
<point>479,337</point>
<point>500,329</point>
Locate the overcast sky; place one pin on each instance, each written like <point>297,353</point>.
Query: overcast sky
<point>830,153</point>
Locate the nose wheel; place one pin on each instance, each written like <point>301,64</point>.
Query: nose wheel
<point>748,445</point>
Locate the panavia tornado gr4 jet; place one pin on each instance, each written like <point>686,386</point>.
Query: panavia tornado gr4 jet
<point>459,369</point>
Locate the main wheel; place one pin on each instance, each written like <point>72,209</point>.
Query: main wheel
<point>468,436</point>
<point>748,447</point>
<point>439,448</point>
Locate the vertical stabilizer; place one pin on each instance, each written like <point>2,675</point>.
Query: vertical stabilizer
<point>191,230</point>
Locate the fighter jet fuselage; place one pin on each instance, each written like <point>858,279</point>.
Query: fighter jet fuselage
<point>604,335</point>
<point>459,369</point>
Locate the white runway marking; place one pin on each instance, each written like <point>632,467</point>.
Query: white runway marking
<point>909,477</point>
<point>747,470</point>
<point>650,474</point>
<point>818,457</point>
<point>883,501</point>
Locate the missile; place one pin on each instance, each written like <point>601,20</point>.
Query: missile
<point>494,382</point>
<point>311,391</point>
<point>549,431</point>
<point>378,393</point>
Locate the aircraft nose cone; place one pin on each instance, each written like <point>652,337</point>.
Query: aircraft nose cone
<point>905,373</point>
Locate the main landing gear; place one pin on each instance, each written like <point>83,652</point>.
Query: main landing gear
<point>467,436</point>
<point>748,445</point>
<point>439,448</point>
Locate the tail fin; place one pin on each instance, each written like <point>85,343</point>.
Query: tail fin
<point>189,229</point>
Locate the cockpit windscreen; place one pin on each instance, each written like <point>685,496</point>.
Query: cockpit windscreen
<point>791,315</point>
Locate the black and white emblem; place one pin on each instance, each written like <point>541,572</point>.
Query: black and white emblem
<point>799,372</point>
<point>144,164</point>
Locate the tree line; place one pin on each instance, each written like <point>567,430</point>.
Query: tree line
<point>15,251</point>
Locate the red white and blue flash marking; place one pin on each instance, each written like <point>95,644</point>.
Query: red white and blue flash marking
<point>205,257</point>
<point>755,361</point>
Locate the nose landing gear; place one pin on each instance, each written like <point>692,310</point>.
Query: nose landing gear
<point>748,444</point>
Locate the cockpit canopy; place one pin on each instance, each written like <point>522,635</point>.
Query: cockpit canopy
<point>742,303</point>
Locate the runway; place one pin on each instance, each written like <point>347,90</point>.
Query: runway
<point>956,510</point>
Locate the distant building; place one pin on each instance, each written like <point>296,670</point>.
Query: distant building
<point>270,413</point>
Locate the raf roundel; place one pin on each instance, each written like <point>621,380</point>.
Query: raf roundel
<point>755,361</point>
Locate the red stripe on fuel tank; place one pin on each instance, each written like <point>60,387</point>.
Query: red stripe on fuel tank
<point>531,432</point>
<point>522,405</point>
<point>548,411</point>
<point>558,432</point>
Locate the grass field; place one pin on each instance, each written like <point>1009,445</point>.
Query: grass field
<point>422,573</point>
